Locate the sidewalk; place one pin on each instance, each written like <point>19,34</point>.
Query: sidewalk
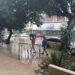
<point>11,66</point>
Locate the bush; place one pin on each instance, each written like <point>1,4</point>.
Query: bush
<point>55,58</point>
<point>72,67</point>
<point>55,46</point>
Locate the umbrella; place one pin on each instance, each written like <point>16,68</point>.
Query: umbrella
<point>32,35</point>
<point>39,35</point>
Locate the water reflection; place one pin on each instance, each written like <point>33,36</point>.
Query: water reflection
<point>22,50</point>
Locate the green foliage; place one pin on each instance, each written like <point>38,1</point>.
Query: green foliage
<point>61,59</point>
<point>55,46</point>
<point>14,13</point>
<point>59,8</point>
<point>55,58</point>
<point>72,68</point>
<point>17,12</point>
<point>65,8</point>
<point>66,60</point>
<point>66,36</point>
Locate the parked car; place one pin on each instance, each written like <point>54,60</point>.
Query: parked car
<point>5,36</point>
<point>52,41</point>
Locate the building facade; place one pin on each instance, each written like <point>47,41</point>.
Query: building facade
<point>51,26</point>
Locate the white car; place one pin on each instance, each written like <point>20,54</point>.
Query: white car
<point>6,36</point>
<point>24,35</point>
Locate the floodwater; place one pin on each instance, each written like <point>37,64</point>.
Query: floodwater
<point>20,49</point>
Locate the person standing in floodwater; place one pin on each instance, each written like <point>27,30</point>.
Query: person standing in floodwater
<point>32,38</point>
<point>44,45</point>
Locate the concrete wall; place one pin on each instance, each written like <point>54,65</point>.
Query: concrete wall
<point>55,70</point>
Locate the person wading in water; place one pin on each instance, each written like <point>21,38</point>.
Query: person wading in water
<point>32,38</point>
<point>44,45</point>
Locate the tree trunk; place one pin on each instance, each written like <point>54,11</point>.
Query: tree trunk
<point>8,39</point>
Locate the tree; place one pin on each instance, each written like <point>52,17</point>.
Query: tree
<point>15,14</point>
<point>67,37</point>
<point>65,8</point>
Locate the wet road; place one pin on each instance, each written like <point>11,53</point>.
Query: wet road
<point>28,61</point>
<point>22,51</point>
<point>8,52</point>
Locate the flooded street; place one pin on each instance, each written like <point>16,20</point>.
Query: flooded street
<point>19,58</point>
<point>21,44</point>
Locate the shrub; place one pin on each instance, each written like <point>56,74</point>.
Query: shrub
<point>72,67</point>
<point>55,58</point>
